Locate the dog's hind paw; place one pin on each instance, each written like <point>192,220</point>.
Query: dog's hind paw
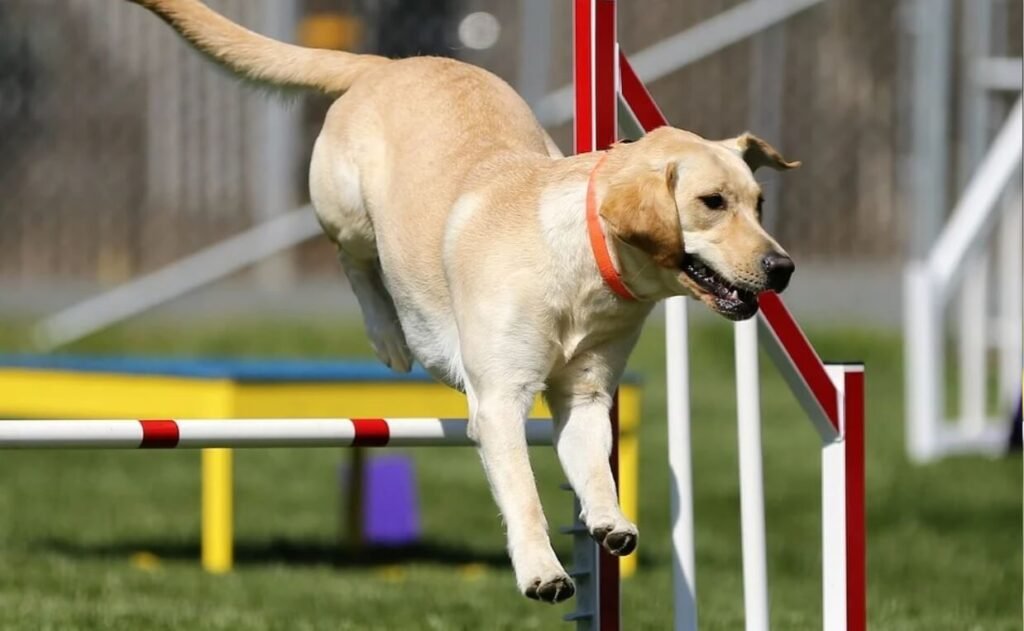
<point>391,348</point>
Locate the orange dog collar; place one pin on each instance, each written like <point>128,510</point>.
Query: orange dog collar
<point>598,243</point>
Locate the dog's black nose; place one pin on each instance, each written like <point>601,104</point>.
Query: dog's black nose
<point>779,268</point>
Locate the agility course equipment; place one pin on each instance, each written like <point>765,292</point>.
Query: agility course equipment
<point>390,514</point>
<point>242,433</point>
<point>963,279</point>
<point>933,281</point>
<point>597,588</point>
<point>127,387</point>
<point>832,395</point>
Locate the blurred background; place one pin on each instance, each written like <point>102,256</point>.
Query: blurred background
<point>123,151</point>
<point>152,204</point>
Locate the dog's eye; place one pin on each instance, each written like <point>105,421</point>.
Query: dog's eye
<point>714,201</point>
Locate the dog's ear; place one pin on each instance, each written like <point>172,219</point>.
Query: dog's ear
<point>641,211</point>
<point>757,153</point>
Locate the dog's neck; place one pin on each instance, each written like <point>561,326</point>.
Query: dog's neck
<point>628,272</point>
<point>598,240</point>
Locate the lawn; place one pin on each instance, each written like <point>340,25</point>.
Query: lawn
<point>108,540</point>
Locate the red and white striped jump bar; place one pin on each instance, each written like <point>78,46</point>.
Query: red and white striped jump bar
<point>196,433</point>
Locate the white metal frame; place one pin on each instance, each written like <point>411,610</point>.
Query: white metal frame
<point>964,249</point>
<point>931,283</point>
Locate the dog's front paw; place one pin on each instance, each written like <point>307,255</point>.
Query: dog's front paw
<point>618,538</point>
<point>551,589</point>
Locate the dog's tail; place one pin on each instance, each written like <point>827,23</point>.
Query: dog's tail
<point>258,58</point>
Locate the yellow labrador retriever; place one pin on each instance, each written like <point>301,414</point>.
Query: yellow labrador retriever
<point>466,238</point>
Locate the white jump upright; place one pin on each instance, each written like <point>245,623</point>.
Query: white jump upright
<point>679,463</point>
<point>748,435</point>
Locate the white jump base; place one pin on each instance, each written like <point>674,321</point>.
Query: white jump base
<point>241,433</point>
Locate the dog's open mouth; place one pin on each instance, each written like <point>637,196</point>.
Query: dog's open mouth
<point>722,296</point>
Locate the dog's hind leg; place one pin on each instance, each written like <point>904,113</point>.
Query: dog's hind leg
<point>379,314</point>
<point>337,196</point>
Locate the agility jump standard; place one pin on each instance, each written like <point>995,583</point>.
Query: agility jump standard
<point>832,395</point>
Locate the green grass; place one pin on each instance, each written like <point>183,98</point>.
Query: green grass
<point>944,539</point>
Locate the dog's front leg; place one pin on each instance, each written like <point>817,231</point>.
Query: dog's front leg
<point>498,425</point>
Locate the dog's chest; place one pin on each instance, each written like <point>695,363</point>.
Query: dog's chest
<point>592,319</point>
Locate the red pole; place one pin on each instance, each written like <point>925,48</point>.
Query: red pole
<point>596,128</point>
<point>583,79</point>
<point>638,98</point>
<point>856,535</point>
<point>606,126</point>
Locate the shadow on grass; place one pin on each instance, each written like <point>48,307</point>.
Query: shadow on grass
<point>289,552</point>
<point>306,553</point>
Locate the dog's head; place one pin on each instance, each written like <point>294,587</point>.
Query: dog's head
<point>693,208</point>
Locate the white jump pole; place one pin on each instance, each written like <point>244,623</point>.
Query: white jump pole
<point>834,519</point>
<point>748,418</point>
<point>239,433</point>
<point>680,465</point>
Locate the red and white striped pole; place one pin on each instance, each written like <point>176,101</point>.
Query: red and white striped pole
<point>833,397</point>
<point>842,497</point>
<point>594,76</point>
<point>239,433</point>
